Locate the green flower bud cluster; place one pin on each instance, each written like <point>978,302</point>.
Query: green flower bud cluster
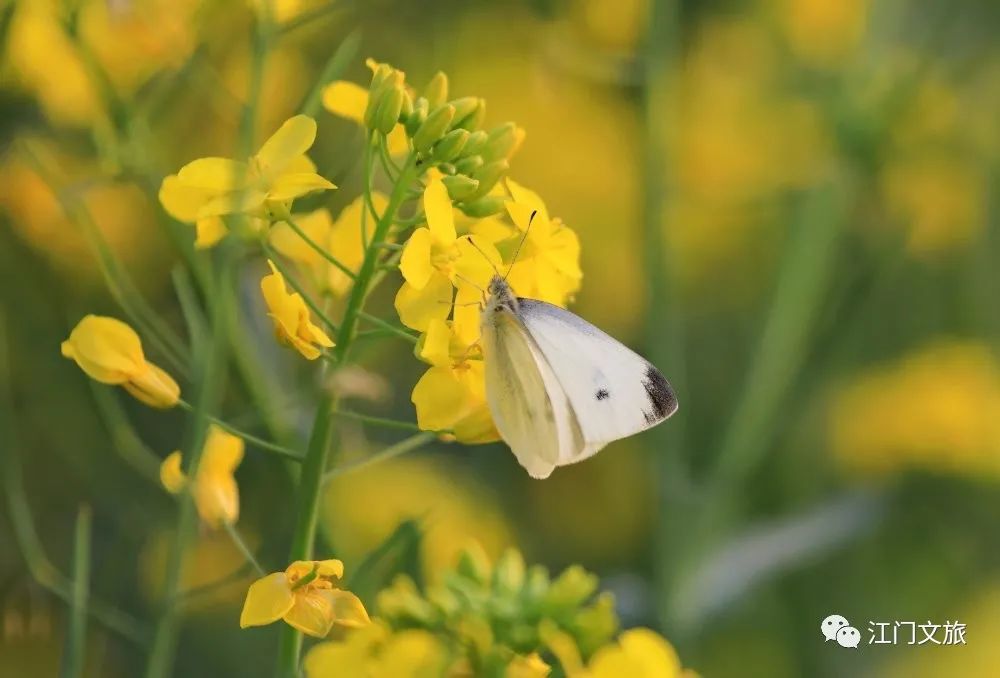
<point>446,133</point>
<point>503,610</point>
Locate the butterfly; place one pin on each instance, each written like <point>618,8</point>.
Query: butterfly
<point>560,389</point>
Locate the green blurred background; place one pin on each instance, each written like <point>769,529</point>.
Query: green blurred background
<point>789,205</point>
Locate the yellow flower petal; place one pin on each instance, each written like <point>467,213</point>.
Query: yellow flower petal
<point>478,261</point>
<point>214,174</point>
<point>153,387</point>
<point>438,212</point>
<point>311,612</point>
<point>345,241</point>
<point>222,453</point>
<point>529,199</point>
<point>435,344</point>
<point>415,264</point>
<point>530,666</point>
<point>330,568</point>
<point>180,201</point>
<point>171,476</point>
<point>291,186</point>
<point>108,350</point>
<point>397,141</point>
<point>234,202</point>
<point>466,315</point>
<point>209,231</point>
<point>317,225</point>
<point>418,307</point>
<point>440,398</point>
<point>292,139</point>
<point>348,610</point>
<point>346,99</point>
<point>268,600</point>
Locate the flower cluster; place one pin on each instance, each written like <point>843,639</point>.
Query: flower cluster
<point>503,620</point>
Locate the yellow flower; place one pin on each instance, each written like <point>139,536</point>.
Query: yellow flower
<point>435,259</point>
<point>377,652</point>
<point>341,238</point>
<point>110,352</point>
<point>936,409</point>
<point>305,596</point>
<point>214,489</point>
<point>349,100</point>
<point>208,188</point>
<point>451,395</point>
<point>292,324</point>
<point>548,265</point>
<point>638,653</point>
<point>824,32</point>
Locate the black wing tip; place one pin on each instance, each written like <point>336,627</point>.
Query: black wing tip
<point>662,401</point>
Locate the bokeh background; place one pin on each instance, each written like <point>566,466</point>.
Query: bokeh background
<point>791,206</point>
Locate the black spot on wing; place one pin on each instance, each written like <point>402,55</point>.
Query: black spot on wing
<point>602,394</point>
<point>662,402</point>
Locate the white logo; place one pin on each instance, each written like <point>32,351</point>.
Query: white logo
<point>832,624</point>
<point>848,636</point>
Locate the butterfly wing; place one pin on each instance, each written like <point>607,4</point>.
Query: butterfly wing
<point>529,406</point>
<point>613,391</point>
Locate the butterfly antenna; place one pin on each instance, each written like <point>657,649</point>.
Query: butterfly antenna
<point>464,279</point>
<point>520,244</point>
<point>479,249</point>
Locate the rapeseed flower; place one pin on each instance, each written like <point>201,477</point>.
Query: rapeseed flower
<point>305,596</point>
<point>261,189</point>
<point>637,653</point>
<point>292,324</point>
<point>435,259</point>
<point>215,492</point>
<point>110,352</point>
<point>936,409</point>
<point>349,100</point>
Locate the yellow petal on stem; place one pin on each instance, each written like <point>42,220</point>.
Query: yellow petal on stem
<point>180,201</point>
<point>438,212</point>
<point>268,600</point>
<point>650,651</point>
<point>222,452</point>
<point>418,307</point>
<point>317,225</point>
<point>217,497</point>
<point>171,476</point>
<point>346,99</point>
<point>520,214</point>
<point>397,141</point>
<point>209,231</point>
<point>154,387</point>
<point>415,263</point>
<point>291,186</point>
<point>348,610</point>
<point>214,174</point>
<point>492,229</point>
<point>235,202</point>
<point>312,612</point>
<point>279,303</point>
<point>107,349</point>
<point>440,399</point>
<point>478,261</point>
<point>300,164</point>
<point>292,139</point>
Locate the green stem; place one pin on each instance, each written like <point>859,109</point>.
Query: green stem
<point>380,421</point>
<point>76,633</point>
<point>317,248</point>
<point>335,67</point>
<point>310,486</point>
<point>243,548</point>
<point>388,327</point>
<point>402,447</point>
<point>247,437</point>
<point>359,291</point>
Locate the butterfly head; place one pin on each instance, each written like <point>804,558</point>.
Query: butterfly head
<point>501,296</point>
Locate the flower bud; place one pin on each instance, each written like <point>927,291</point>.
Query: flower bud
<point>447,168</point>
<point>488,175</point>
<point>436,91</point>
<point>503,141</point>
<point>380,73</point>
<point>476,143</point>
<point>433,128</point>
<point>483,207</point>
<point>389,109</point>
<point>450,146</point>
<point>508,575</point>
<point>469,164</point>
<point>407,110</point>
<point>469,113</point>
<point>417,117</point>
<point>460,187</point>
<point>473,564</point>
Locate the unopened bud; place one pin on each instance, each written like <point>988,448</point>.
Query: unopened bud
<point>433,128</point>
<point>483,207</point>
<point>469,164</point>
<point>417,117</point>
<point>469,112</point>
<point>389,109</point>
<point>450,146</point>
<point>460,187</point>
<point>476,143</point>
<point>489,174</point>
<point>436,91</point>
<point>503,140</point>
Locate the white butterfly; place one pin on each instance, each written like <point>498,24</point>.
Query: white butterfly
<point>559,388</point>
